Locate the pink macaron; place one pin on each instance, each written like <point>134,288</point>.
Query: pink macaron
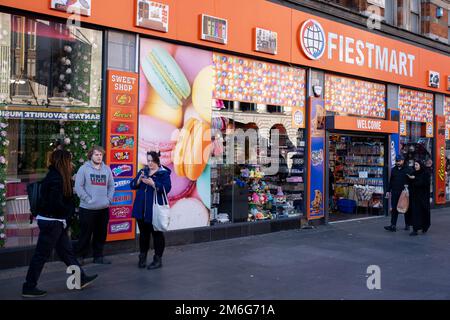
<point>192,60</point>
<point>181,187</point>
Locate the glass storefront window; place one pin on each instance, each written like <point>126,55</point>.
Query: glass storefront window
<point>49,64</point>
<point>50,97</point>
<point>415,146</point>
<point>244,189</point>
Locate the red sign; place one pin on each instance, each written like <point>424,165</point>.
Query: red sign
<point>440,160</point>
<point>122,110</point>
<point>120,212</point>
<point>121,156</point>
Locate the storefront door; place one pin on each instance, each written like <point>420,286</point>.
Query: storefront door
<point>357,175</point>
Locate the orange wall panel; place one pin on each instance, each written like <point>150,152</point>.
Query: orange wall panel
<point>245,15</point>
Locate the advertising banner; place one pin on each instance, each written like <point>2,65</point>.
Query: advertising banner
<point>121,149</point>
<point>395,138</point>
<point>441,165</point>
<point>316,160</point>
<point>175,119</point>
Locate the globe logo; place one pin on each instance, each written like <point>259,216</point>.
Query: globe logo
<point>312,39</point>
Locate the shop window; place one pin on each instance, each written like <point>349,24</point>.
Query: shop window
<point>50,64</point>
<point>416,146</point>
<point>121,51</point>
<point>241,189</point>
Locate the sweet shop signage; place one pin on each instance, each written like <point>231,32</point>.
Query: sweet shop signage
<point>122,106</point>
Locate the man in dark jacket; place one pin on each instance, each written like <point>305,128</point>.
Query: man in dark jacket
<point>396,185</point>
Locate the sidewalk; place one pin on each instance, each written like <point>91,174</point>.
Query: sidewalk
<point>328,262</point>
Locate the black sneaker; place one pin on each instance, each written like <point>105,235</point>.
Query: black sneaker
<point>87,280</point>
<point>406,228</point>
<point>414,233</point>
<point>390,228</point>
<point>33,292</point>
<point>101,260</point>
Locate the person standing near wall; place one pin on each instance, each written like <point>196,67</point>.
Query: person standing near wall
<point>94,184</point>
<point>152,178</point>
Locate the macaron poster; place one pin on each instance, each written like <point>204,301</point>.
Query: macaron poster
<point>175,101</point>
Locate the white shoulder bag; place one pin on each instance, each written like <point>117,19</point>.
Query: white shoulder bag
<point>161,212</point>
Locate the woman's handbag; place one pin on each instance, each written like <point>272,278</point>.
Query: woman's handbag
<point>161,217</point>
<point>403,201</point>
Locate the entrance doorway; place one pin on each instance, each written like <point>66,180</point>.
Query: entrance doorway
<point>357,175</point>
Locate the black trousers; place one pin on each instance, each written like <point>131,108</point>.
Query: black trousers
<point>146,230</point>
<point>93,225</point>
<point>52,235</point>
<point>394,217</point>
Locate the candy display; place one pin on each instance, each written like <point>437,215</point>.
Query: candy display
<point>415,105</point>
<point>255,81</point>
<point>357,169</point>
<point>351,96</point>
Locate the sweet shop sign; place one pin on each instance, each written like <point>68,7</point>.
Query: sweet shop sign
<point>122,106</point>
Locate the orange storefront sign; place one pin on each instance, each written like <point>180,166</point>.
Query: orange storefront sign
<point>362,124</point>
<point>347,49</point>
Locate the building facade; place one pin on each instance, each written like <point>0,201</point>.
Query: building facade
<point>266,123</point>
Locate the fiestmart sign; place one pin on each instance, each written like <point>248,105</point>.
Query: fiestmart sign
<point>49,115</point>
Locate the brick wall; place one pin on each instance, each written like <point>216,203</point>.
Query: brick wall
<point>432,26</point>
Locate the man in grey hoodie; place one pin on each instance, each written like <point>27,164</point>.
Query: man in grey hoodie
<point>94,185</point>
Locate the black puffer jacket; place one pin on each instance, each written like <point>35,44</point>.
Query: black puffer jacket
<point>54,204</point>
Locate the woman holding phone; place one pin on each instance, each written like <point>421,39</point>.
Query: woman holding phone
<point>152,178</point>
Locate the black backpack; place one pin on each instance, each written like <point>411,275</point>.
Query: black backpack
<point>35,197</point>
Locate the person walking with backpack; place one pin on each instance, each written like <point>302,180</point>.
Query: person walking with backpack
<point>94,185</point>
<point>55,208</point>
<point>153,178</point>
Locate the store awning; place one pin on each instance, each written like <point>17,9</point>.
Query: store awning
<point>369,125</point>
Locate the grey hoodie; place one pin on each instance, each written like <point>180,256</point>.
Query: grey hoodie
<point>94,187</point>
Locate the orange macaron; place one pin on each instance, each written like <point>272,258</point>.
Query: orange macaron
<point>193,149</point>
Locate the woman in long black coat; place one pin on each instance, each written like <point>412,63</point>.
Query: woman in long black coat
<point>419,198</point>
